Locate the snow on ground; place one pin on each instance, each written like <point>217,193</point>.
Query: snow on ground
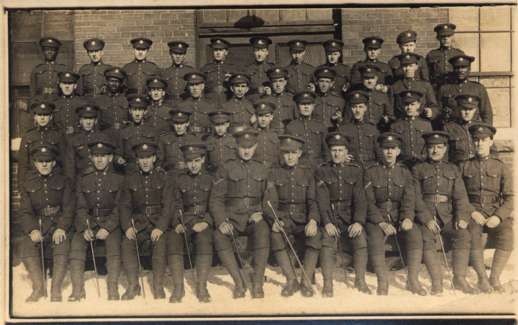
<point>345,301</point>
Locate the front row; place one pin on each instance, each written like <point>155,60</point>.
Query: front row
<point>422,213</point>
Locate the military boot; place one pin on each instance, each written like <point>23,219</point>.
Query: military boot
<point>327,264</point>
<point>497,267</point>
<point>260,259</point>
<point>114,266</point>
<point>203,264</point>
<point>177,270</point>
<point>58,274</point>
<point>360,267</point>
<point>33,266</point>
<point>292,285</point>
<point>158,278</point>
<point>460,268</point>
<point>77,270</point>
<point>413,265</point>
<point>477,261</point>
<point>228,260</point>
<point>133,289</point>
<point>380,268</point>
<point>310,263</point>
<point>432,262</point>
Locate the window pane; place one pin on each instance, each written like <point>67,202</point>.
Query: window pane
<point>495,82</point>
<point>495,18</point>
<point>465,18</point>
<point>468,42</point>
<point>496,52</point>
<point>501,110</point>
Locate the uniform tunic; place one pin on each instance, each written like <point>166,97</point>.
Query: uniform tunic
<point>92,82</point>
<point>438,64</point>
<point>138,73</point>
<point>173,75</point>
<point>45,80</point>
<point>299,76</point>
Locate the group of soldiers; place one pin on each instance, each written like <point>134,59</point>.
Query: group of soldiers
<point>305,162</point>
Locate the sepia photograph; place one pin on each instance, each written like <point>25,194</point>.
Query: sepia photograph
<point>277,161</point>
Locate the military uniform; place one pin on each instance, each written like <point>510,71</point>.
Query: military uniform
<point>220,149</point>
<point>46,205</point>
<point>44,77</point>
<point>285,106</point>
<point>174,75</point>
<point>384,72</point>
<point>170,143</point>
<point>65,113</point>
<point>140,71</point>
<point>343,71</point>
<point>258,71</point>
<point>299,74</point>
<point>114,106</point>
<point>218,72</point>
<point>92,82</point>
<point>329,108</point>
<point>241,109</point>
<point>158,112</point>
<point>200,107</point>
<point>267,150</point>
<point>395,62</point>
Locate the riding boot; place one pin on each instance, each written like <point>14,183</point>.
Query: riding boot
<point>414,264</point>
<point>380,268</point>
<point>327,264</point>
<point>33,266</point>
<point>460,268</point>
<point>229,261</point>
<point>177,270</point>
<point>284,262</point>
<point>432,262</point>
<point>58,274</point>
<point>203,264</point>
<point>497,267</point>
<point>477,262</point>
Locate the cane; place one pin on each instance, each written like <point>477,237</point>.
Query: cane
<point>242,265</point>
<point>187,247</point>
<point>443,251</point>
<point>138,260</point>
<point>93,260</point>
<point>287,239</point>
<point>43,270</point>
<point>397,243</point>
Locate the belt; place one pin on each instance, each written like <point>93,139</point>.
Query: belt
<point>98,212</point>
<point>293,207</point>
<point>483,199</point>
<point>239,201</point>
<point>388,205</point>
<point>49,211</point>
<point>196,209</point>
<point>436,198</point>
<point>150,209</point>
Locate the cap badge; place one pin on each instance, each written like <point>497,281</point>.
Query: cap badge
<point>141,42</point>
<point>337,136</point>
<point>390,138</point>
<point>100,145</point>
<point>43,149</point>
<point>144,146</point>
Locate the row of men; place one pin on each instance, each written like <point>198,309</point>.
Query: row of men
<point>338,205</point>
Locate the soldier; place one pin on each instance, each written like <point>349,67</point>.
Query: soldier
<point>312,131</point>
<point>173,75</point>
<point>372,49</point>
<point>44,77</point>
<point>407,41</point>
<point>299,72</point>
<point>192,223</point>
<point>343,211</point>
<point>241,109</point>
<point>259,68</point>
<point>330,106</point>
<point>113,103</point>
<point>93,81</point>
<point>140,69</point>
<point>46,212</point>
<point>411,128</point>
<point>218,71</point>
<point>391,199</point>
<point>144,218</point>
<point>66,104</point>
<point>221,146</point>
<point>43,131</point>
<point>409,81</point>
<point>170,143</point>
<point>445,199</point>
<point>362,137</point>
<point>460,84</point>
<point>281,98</point>
<point>97,217</point>
<point>267,150</point>
<point>236,204</point>
<point>438,59</point>
<point>490,190</point>
<point>333,49</point>
<point>293,197</point>
<point>157,112</point>
<point>198,104</point>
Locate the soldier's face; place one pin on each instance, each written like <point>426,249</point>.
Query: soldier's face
<point>279,85</point>
<point>177,58</point>
<point>373,54</point>
<point>87,123</point>
<point>370,82</point>
<point>462,73</point>
<point>261,54</point>
<point>445,41</point>
<point>409,70</point>
<point>412,109</point>
<point>333,57</point>
<point>467,114</point>
<point>180,128</point>
<point>137,114</point>
<point>42,120</point>
<point>246,153</point>
<point>113,84</point>
<point>325,84</point>
<point>195,165</point>
<point>306,109</point>
<point>101,161</point>
<point>407,47</point>
<point>339,154</point>
<point>221,129</point>
<point>390,155</point>
<point>196,90</point>
<point>264,120</point>
<point>483,146</point>
<point>95,56</point>
<point>359,111</point>
<point>44,168</point>
<point>50,53</point>
<point>291,158</point>
<point>156,94</point>
<point>298,56</point>
<point>140,54</point>
<point>67,88</point>
<point>240,89</point>
<point>146,164</point>
<point>220,54</point>
<point>436,151</point>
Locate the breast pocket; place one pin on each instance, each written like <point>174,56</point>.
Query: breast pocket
<point>380,190</point>
<point>256,185</point>
<point>447,181</point>
<point>398,186</point>
<point>493,180</point>
<point>56,191</point>
<point>236,186</point>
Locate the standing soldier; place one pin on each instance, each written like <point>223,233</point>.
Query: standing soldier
<point>490,190</point>
<point>66,104</point>
<point>198,104</point>
<point>407,41</point>
<point>170,143</point>
<point>333,49</point>
<point>93,82</point>
<point>144,219</point>
<point>281,98</point>
<point>238,105</point>
<point>438,60</point>
<point>343,211</point>
<point>221,145</point>
<point>218,71</point>
<point>140,69</point>
<point>293,196</point>
<point>330,106</point>
<point>44,77</point>
<point>259,68</point>
<point>372,49</point>
<point>113,103</point>
<point>97,217</point>
<point>236,203</point>
<point>299,72</point>
<point>173,75</point>
<point>267,150</point>
<point>461,85</point>
<point>446,200</point>
<point>192,223</point>
<point>46,212</point>
<point>157,112</point>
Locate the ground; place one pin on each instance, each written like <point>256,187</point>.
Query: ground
<point>346,301</point>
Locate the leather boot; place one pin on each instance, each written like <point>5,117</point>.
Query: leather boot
<point>460,268</point>
<point>432,261</point>
<point>203,264</point>
<point>477,261</point>
<point>413,265</point>
<point>310,263</point>
<point>158,266</point>
<point>360,267</point>
<point>260,259</point>
<point>229,261</point>
<point>58,274</point>
<point>114,266</point>
<point>497,267</point>
<point>133,289</point>
<point>33,266</point>
<point>292,285</point>
<point>77,270</point>
<point>327,264</point>
<point>380,268</point>
<point>177,269</point>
